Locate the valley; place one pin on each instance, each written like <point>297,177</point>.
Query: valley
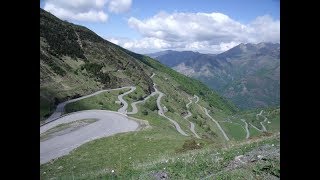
<point>247,74</point>
<point>109,113</point>
<point>107,117</point>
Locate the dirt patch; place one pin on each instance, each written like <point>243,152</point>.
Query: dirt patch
<point>143,124</point>
<point>161,175</point>
<point>189,144</point>
<point>65,128</point>
<point>265,152</point>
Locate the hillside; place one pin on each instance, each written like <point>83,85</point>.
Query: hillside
<point>120,115</point>
<point>74,62</point>
<point>248,74</point>
<point>91,63</point>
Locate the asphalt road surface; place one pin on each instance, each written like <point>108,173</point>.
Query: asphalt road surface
<point>123,109</point>
<point>60,108</point>
<point>109,123</point>
<point>191,123</point>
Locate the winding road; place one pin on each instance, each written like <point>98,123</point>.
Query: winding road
<point>197,99</point>
<point>224,134</point>
<point>192,126</point>
<point>60,108</point>
<point>193,130</point>
<point>261,122</point>
<point>108,123</point>
<point>233,123</point>
<point>247,128</point>
<point>134,104</point>
<point>216,122</point>
<point>187,105</point>
<point>123,109</point>
<point>264,129</point>
<point>161,112</point>
<point>255,127</point>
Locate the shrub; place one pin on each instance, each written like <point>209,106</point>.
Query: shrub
<point>152,105</point>
<point>145,112</point>
<point>190,144</point>
<point>170,109</point>
<point>94,70</point>
<point>60,35</point>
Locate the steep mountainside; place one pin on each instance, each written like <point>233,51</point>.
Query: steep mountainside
<point>74,61</point>
<point>181,129</point>
<point>174,58</point>
<point>248,74</point>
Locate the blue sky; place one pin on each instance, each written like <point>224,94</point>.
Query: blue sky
<point>153,25</point>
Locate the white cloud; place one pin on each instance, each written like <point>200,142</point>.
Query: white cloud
<point>91,15</point>
<point>142,45</point>
<point>227,46</point>
<point>114,40</point>
<point>206,47</point>
<point>79,10</point>
<point>147,43</point>
<point>119,6</point>
<point>212,32</point>
<point>151,44</point>
<point>86,10</point>
<point>264,28</point>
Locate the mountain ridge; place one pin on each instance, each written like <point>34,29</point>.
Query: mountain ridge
<point>91,63</point>
<point>258,64</point>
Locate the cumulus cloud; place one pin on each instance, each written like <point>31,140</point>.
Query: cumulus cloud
<point>86,10</point>
<point>207,47</point>
<point>146,44</point>
<point>214,32</point>
<point>264,28</point>
<point>151,44</point>
<point>119,6</point>
<point>79,10</point>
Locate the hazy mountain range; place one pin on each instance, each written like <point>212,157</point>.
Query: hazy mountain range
<point>248,74</point>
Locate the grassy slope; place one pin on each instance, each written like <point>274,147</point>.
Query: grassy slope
<point>202,163</point>
<point>72,67</point>
<point>234,131</point>
<point>140,159</point>
<point>104,154</point>
<point>272,113</point>
<point>46,108</point>
<point>104,101</point>
<point>137,95</point>
<point>122,151</point>
<point>189,85</point>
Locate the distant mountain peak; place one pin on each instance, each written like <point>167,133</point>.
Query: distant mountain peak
<point>247,67</point>
<point>243,47</point>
